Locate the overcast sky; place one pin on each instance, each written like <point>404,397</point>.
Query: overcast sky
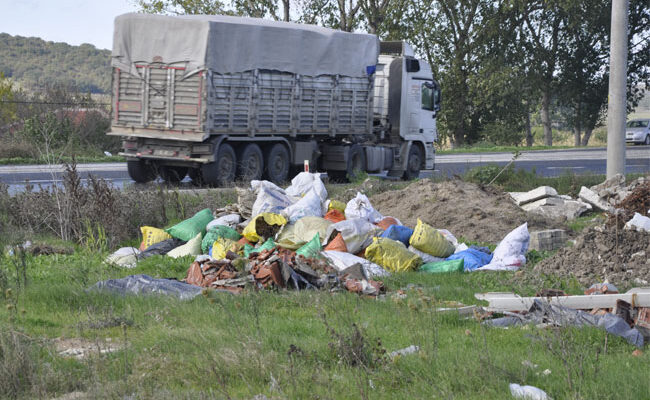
<point>70,21</point>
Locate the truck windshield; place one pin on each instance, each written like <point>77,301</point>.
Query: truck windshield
<point>427,96</point>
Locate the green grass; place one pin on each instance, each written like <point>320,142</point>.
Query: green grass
<point>66,159</point>
<point>277,343</point>
<point>498,149</point>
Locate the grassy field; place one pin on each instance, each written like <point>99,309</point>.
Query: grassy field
<point>284,344</point>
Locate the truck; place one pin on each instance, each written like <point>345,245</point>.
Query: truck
<point>222,98</point>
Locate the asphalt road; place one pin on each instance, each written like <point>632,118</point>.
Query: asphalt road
<point>544,162</point>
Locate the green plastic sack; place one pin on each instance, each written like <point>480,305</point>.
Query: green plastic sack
<point>293,236</point>
<point>443,266</point>
<point>427,239</point>
<point>191,227</point>
<point>392,255</point>
<point>311,249</point>
<point>217,232</point>
<point>268,245</point>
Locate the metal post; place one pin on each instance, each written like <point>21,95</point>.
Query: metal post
<point>617,101</point>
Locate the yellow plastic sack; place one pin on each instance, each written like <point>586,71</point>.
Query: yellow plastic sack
<point>263,220</point>
<point>336,205</point>
<point>427,239</point>
<point>151,236</point>
<point>293,236</point>
<point>191,248</point>
<point>221,246</point>
<point>392,255</point>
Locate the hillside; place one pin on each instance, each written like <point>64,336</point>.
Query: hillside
<point>34,62</point>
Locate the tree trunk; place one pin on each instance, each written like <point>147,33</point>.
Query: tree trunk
<point>285,4</point>
<point>576,136</point>
<point>529,131</point>
<point>546,117</point>
<point>586,136</point>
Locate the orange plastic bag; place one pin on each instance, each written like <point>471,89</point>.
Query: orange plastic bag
<point>334,215</point>
<point>387,222</point>
<point>337,244</point>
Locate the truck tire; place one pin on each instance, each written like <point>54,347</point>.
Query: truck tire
<point>356,163</point>
<point>250,164</point>
<point>222,171</point>
<point>277,163</point>
<point>413,163</point>
<point>171,174</point>
<point>141,171</point>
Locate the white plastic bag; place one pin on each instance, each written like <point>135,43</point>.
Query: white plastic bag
<point>270,198</point>
<point>125,257</point>
<point>426,258</point>
<point>360,207</point>
<point>449,236</point>
<point>527,392</point>
<point>229,220</point>
<point>639,223</point>
<point>341,260</point>
<point>308,206</point>
<point>510,254</point>
<point>357,233</point>
<point>302,183</point>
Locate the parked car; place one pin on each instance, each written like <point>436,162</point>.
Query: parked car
<point>637,131</point>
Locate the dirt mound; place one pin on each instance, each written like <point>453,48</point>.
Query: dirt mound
<point>636,202</point>
<point>483,214</point>
<point>622,258</point>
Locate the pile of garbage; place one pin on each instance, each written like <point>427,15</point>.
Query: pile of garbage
<point>297,238</point>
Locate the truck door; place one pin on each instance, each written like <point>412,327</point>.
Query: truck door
<point>427,106</point>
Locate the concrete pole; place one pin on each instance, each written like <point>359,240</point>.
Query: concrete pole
<point>617,100</point>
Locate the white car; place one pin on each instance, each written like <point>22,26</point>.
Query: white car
<point>637,131</point>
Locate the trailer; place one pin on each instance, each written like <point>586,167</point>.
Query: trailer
<point>226,98</point>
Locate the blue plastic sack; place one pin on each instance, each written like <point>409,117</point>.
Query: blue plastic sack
<point>400,233</point>
<point>472,258</point>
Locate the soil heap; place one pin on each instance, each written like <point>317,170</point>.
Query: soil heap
<point>619,256</point>
<point>478,213</point>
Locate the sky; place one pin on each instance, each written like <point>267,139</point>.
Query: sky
<point>70,21</point>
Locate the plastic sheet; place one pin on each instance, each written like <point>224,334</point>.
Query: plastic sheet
<point>191,248</point>
<point>146,285</point>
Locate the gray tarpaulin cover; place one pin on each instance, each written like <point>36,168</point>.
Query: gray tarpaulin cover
<point>144,284</point>
<point>232,44</point>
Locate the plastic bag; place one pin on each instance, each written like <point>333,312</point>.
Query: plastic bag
<point>427,239</point>
<point>392,255</point>
<point>334,216</point>
<point>400,233</point>
<point>473,259</point>
<point>639,223</point>
<point>449,236</point>
<point>337,244</point>
<point>308,206</point>
<point>268,245</point>
<point>191,227</point>
<point>360,207</point>
<point>386,222</point>
<point>302,183</point>
<point>264,225</point>
<point>426,258</point>
<point>191,248</point>
<point>161,248</point>
<point>357,233</point>
<point>270,198</point>
<point>510,253</point>
<point>229,220</point>
<point>341,261</point>
<point>218,232</point>
<point>221,247</point>
<point>151,236</point>
<point>336,205</point>
<point>311,249</point>
<point>527,392</point>
<point>126,257</point>
<point>292,236</point>
<point>443,266</point>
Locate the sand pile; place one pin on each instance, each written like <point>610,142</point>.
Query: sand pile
<point>483,214</point>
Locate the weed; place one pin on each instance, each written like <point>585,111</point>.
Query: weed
<point>354,348</point>
<point>18,365</point>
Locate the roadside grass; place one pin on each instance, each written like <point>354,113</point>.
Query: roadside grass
<point>279,344</point>
<point>66,159</point>
<point>490,148</point>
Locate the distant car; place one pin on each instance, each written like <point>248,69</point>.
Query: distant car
<point>637,131</point>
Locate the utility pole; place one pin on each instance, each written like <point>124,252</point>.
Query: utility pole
<point>617,99</point>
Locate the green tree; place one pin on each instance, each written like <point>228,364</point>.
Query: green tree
<point>7,105</point>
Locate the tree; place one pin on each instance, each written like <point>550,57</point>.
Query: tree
<point>7,105</point>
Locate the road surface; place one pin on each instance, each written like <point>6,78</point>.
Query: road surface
<point>545,162</point>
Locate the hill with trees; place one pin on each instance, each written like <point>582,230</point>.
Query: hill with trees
<point>35,63</point>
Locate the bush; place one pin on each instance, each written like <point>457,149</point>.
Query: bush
<point>18,365</point>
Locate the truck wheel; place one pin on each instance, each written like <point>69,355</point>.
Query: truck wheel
<point>172,174</point>
<point>356,164</point>
<point>141,171</point>
<point>222,171</point>
<point>414,163</point>
<point>277,163</point>
<point>251,163</point>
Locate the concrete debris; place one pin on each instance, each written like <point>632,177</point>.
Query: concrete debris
<point>595,200</point>
<point>544,201</point>
<point>547,240</point>
<point>539,193</point>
